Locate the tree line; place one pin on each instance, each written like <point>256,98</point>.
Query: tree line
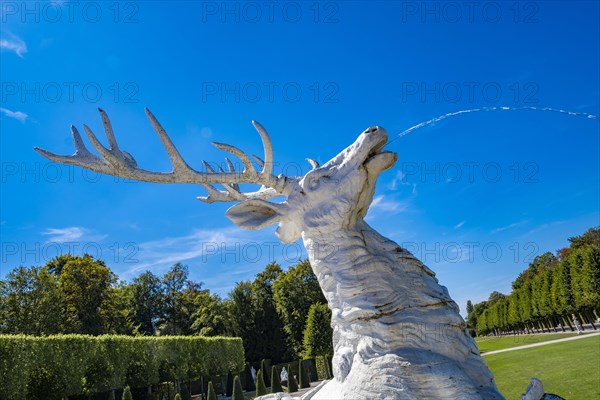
<point>81,295</point>
<point>549,294</point>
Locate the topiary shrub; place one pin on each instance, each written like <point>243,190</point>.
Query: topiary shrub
<point>292,384</point>
<point>126,394</point>
<point>211,395</point>
<point>238,392</point>
<point>303,376</point>
<point>275,381</point>
<point>323,370</point>
<point>249,379</point>
<point>229,385</point>
<point>264,366</point>
<point>261,389</point>
<point>177,397</point>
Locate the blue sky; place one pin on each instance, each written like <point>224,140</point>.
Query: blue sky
<point>475,196</point>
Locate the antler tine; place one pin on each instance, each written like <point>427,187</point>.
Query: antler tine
<point>78,142</point>
<point>231,169</point>
<point>248,167</point>
<point>215,195</point>
<point>230,165</point>
<point>267,167</point>
<point>98,146</point>
<point>81,157</point>
<point>259,160</point>
<point>178,162</point>
<point>110,135</point>
<point>232,190</point>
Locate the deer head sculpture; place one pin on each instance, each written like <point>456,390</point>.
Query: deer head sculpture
<point>309,203</point>
<point>380,295</point>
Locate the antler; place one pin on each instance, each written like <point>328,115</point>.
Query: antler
<point>120,163</point>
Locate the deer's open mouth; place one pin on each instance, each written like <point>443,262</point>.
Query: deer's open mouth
<point>379,158</point>
<point>377,149</point>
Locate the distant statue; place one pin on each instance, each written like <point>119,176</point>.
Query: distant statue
<point>284,377</point>
<point>535,391</point>
<point>577,325</point>
<point>253,372</point>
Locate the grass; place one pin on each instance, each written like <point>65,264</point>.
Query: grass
<point>569,369</point>
<point>490,343</point>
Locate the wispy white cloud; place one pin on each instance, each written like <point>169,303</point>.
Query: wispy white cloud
<point>228,247</point>
<point>459,225</point>
<point>507,227</point>
<point>11,42</point>
<point>383,203</point>
<point>545,226</point>
<point>18,115</point>
<point>399,180</point>
<point>71,234</point>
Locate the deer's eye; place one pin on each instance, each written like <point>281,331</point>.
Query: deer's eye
<point>315,180</point>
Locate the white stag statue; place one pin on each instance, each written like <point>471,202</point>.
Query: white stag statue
<point>397,333</point>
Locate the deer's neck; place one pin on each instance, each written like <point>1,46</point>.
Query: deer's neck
<point>360,270</point>
<point>366,276</point>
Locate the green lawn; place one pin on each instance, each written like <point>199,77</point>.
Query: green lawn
<point>569,369</point>
<point>490,343</point>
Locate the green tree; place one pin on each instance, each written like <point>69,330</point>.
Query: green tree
<point>56,265</point>
<point>176,318</point>
<point>590,238</point>
<point>254,318</point>
<point>30,302</point>
<point>469,307</point>
<point>294,292</point>
<point>84,284</point>
<point>147,302</point>
<point>562,295</point>
<point>115,311</point>
<point>318,333</point>
<point>241,312</point>
<point>536,267</point>
<point>271,338</point>
<point>210,315</point>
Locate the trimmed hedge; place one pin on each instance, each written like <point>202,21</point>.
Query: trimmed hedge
<point>238,392</point>
<point>323,364</point>
<point>292,385</point>
<point>82,364</point>
<point>275,381</point>
<point>261,389</point>
<point>303,376</point>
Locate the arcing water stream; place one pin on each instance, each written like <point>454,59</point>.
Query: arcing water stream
<point>499,108</point>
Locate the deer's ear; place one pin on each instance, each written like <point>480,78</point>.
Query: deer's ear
<point>254,214</point>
